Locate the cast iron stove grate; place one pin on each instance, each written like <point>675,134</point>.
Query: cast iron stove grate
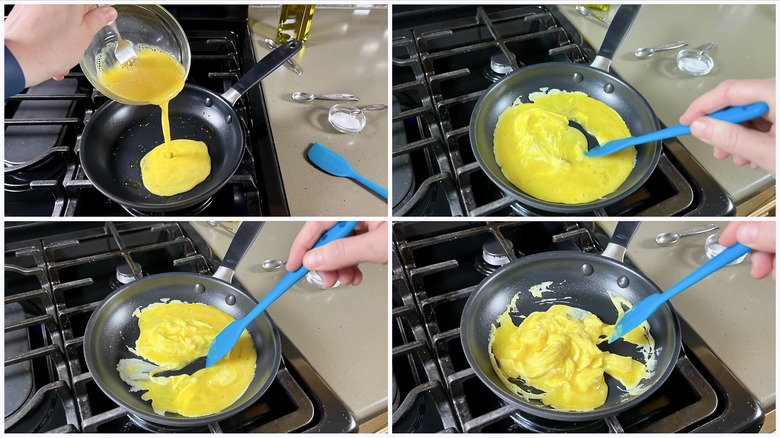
<point>55,276</point>
<point>43,176</point>
<point>442,57</point>
<point>437,266</point>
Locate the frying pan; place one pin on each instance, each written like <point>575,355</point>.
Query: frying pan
<point>117,136</point>
<point>112,328</point>
<point>579,280</point>
<point>594,80</point>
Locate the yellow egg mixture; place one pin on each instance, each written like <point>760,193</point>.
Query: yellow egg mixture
<point>173,335</point>
<point>545,157</point>
<point>156,77</point>
<point>557,352</point>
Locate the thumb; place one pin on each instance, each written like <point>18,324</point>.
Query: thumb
<point>733,138</point>
<point>342,253</point>
<point>757,235</point>
<point>99,17</point>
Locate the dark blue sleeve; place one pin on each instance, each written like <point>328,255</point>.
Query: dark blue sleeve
<point>14,77</point>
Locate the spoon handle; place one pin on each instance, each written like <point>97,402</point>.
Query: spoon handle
<point>698,230</point>
<point>336,97</point>
<point>671,46</point>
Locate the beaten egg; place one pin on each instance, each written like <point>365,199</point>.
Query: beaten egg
<point>156,77</point>
<point>173,335</point>
<point>542,155</point>
<point>556,353</point>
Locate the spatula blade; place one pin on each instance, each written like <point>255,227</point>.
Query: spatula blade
<point>330,161</point>
<point>225,341</point>
<point>636,316</point>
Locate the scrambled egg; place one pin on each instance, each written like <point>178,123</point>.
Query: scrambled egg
<point>173,335</point>
<point>156,77</point>
<point>545,157</point>
<point>556,352</point>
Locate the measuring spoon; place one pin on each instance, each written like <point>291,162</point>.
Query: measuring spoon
<point>646,52</point>
<point>666,239</point>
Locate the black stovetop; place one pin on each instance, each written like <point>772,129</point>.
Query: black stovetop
<point>437,265</point>
<point>56,274</point>
<point>43,176</point>
<point>441,57</point>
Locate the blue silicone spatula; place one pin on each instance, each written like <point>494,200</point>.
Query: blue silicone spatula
<point>227,338</point>
<point>645,308</point>
<point>734,114</point>
<point>336,165</point>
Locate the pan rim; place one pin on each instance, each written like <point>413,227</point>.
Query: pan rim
<point>164,204</point>
<point>178,420</point>
<point>512,190</point>
<point>546,411</point>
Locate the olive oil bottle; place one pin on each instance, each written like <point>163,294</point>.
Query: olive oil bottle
<point>294,22</point>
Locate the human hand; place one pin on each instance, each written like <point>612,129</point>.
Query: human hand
<point>751,143</point>
<point>339,260</point>
<point>48,40</point>
<point>758,236</point>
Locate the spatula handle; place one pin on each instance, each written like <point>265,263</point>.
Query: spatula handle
<point>724,258</point>
<point>376,188</point>
<point>338,231</point>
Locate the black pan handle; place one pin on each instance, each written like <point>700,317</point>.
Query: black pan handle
<point>624,231</point>
<point>263,68</point>
<point>616,32</point>
<point>244,238</point>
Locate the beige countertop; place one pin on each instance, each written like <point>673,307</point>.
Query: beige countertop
<point>734,313</point>
<point>347,52</point>
<point>745,38</point>
<point>342,332</point>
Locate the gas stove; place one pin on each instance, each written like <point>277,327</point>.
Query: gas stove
<point>437,265</point>
<point>43,176</point>
<point>444,58</point>
<point>55,277</point>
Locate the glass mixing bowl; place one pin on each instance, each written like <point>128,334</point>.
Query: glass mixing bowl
<point>149,25</point>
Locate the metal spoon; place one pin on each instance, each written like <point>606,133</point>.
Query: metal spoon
<point>272,265</point>
<point>302,96</point>
<point>646,52</point>
<point>124,49</point>
<point>584,11</point>
<point>666,239</point>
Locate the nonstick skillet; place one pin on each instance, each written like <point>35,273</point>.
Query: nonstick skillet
<point>117,136</point>
<point>580,280</point>
<point>112,328</point>
<point>594,80</point>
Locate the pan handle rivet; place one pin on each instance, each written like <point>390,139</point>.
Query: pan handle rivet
<point>609,88</point>
<point>622,281</point>
<point>587,269</point>
<point>578,77</point>
<point>228,119</point>
<point>209,102</point>
<point>230,300</point>
<point>199,289</point>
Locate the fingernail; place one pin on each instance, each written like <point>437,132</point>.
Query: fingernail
<point>747,233</point>
<point>312,260</point>
<point>701,129</point>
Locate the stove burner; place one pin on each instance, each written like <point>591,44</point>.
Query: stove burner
<point>157,428</point>
<point>535,424</point>
<point>189,211</point>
